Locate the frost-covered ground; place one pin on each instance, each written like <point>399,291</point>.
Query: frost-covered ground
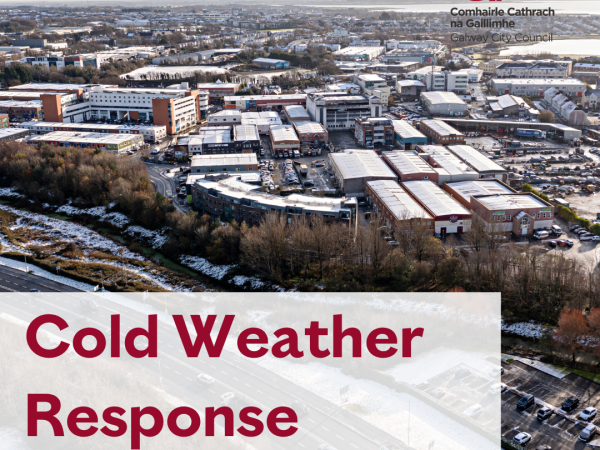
<point>526,329</point>
<point>153,72</point>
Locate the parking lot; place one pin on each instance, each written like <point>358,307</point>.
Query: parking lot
<point>557,431</point>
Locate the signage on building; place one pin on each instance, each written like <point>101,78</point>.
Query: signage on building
<point>498,213</point>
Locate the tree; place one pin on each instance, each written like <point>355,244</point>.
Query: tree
<point>572,327</point>
<point>546,117</point>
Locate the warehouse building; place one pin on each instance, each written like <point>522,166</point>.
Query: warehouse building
<point>18,111</point>
<point>246,139</point>
<point>151,133</point>
<point>225,118</point>
<point>211,141</point>
<point>311,134</point>
<point>441,133</point>
<point>219,90</point>
<point>369,131</point>
<point>271,64</point>
<point>356,53</point>
<point>520,213</point>
<point>353,168</point>
<point>244,162</point>
<point>449,216</point>
<point>296,113</point>
<point>534,87</point>
<point>409,88</point>
<point>409,166</point>
<point>230,199</point>
<point>119,143</point>
<point>262,120</point>
<point>443,103</point>
<point>407,137</point>
<point>338,111</point>
<point>396,205</point>
<point>263,102</point>
<point>464,191</point>
<point>12,134</point>
<point>478,161</point>
<point>448,167</point>
<point>284,140</point>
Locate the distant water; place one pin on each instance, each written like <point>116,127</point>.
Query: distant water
<point>561,7</point>
<point>562,47</point>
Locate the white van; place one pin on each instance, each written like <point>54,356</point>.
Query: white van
<point>155,151</point>
<point>556,230</point>
<point>541,235</point>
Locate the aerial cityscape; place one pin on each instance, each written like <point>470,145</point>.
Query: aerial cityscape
<point>276,149</point>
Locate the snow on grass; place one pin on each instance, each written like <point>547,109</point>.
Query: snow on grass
<point>80,235</point>
<point>9,192</point>
<point>154,238</point>
<point>99,212</point>
<point>526,329</point>
<point>203,266</point>
<point>12,439</point>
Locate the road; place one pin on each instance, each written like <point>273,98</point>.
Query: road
<point>325,422</point>
<point>15,280</point>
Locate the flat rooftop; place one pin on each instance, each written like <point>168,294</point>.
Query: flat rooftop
<point>245,133</point>
<point>467,189</point>
<point>440,98</point>
<point>397,200</point>
<point>283,133</point>
<point>84,138</point>
<point>512,201</point>
<point>224,160</point>
<point>406,131</point>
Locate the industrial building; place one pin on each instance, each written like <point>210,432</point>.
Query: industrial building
<point>409,88</point>
<point>271,64</point>
<point>356,53</point>
<point>263,102</point>
<point>22,110</point>
<point>409,166</point>
<point>112,142</point>
<point>535,87</point>
<point>219,90</point>
<point>12,134</point>
<point>443,103</point>
<point>369,131</point>
<point>441,133</point>
<point>448,167</point>
<point>371,84</point>
<point>262,120</point>
<point>524,69</point>
<point>246,139</point>
<point>230,199</point>
<point>353,168</point>
<point>210,141</point>
<point>296,113</point>
<point>464,191</point>
<point>519,213</point>
<point>284,140</point>
<point>243,162</point>
<point>225,117</point>
<point>311,134</point>
<point>407,137</point>
<point>396,205</point>
<point>478,161</point>
<point>150,133</point>
<point>449,216</point>
<point>338,111</point>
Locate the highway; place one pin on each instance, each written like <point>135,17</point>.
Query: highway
<point>15,280</point>
<point>325,422</point>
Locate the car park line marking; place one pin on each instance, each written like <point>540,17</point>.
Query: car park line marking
<point>338,436</point>
<point>189,378</point>
<point>224,372</point>
<point>326,429</point>
<point>312,421</point>
<point>258,391</point>
<point>234,378</point>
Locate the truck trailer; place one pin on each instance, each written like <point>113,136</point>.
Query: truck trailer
<point>529,133</point>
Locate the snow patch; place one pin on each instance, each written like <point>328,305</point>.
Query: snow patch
<point>203,266</point>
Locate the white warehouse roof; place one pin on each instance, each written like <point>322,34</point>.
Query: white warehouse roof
<point>475,159</point>
<point>397,200</point>
<point>437,201</point>
<point>361,164</point>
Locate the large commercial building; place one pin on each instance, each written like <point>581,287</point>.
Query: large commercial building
<point>369,131</point>
<point>150,133</point>
<point>262,120</point>
<point>219,90</point>
<point>107,142</point>
<point>371,84</point>
<point>464,191</point>
<point>337,111</point>
<point>396,206</point>
<point>449,216</point>
<point>225,117</point>
<point>222,140</point>
<point>60,62</point>
<point>356,53</point>
<point>478,161</point>
<point>448,167</point>
<point>269,63</point>
<point>22,110</point>
<point>542,69</point>
<point>441,133</point>
<point>284,140</point>
<point>230,199</point>
<point>263,102</point>
<point>246,138</point>
<point>296,113</point>
<point>535,87</point>
<point>311,134</point>
<point>244,162</point>
<point>353,168</point>
<point>409,166</point>
<point>406,136</point>
<point>12,134</point>
<point>443,103</point>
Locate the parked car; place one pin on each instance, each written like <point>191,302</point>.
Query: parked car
<point>552,243</point>
<point>595,238</point>
<point>525,402</point>
<point>544,412</point>
<point>205,379</point>
<point>588,433</point>
<point>88,303</point>
<point>570,404</point>
<point>301,408</point>
<point>227,398</point>
<point>437,393</point>
<point>556,230</point>
<point>540,235</point>
<point>522,438</point>
<point>497,388</point>
<point>588,414</point>
<point>586,237</point>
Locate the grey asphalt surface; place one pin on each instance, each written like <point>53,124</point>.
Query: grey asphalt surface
<point>325,422</point>
<point>15,280</point>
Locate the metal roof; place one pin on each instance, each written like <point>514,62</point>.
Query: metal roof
<point>295,111</point>
<point>435,200</point>
<point>441,128</point>
<point>467,189</point>
<point>361,164</point>
<point>224,160</point>
<point>475,159</point>
<point>407,162</point>
<point>511,201</point>
<point>438,98</point>
<point>397,200</point>
<point>283,133</point>
<point>406,130</point>
<point>245,133</point>
<point>309,127</point>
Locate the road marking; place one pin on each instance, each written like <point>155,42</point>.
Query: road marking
<point>312,421</point>
<point>234,378</point>
<point>177,372</point>
<point>247,385</point>
<point>212,366</point>
<point>353,445</point>
<point>210,390</point>
<point>325,428</point>
<point>338,436</point>
<point>271,398</point>
<point>258,391</point>
<point>189,378</point>
<point>300,444</point>
<point>224,372</point>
